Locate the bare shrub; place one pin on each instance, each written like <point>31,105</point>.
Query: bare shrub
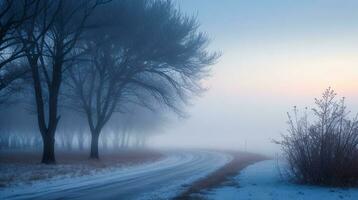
<point>323,150</point>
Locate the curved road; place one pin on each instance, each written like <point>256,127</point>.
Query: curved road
<point>163,179</point>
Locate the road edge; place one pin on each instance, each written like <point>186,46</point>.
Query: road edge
<point>222,175</point>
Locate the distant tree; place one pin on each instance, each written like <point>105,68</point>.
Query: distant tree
<point>49,41</point>
<point>141,50</point>
<point>137,123</point>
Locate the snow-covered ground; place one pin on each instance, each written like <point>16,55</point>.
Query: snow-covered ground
<point>262,181</point>
<point>162,179</point>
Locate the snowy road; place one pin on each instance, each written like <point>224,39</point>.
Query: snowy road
<point>159,180</point>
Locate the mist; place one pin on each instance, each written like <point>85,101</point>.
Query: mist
<point>178,99</point>
<point>276,55</point>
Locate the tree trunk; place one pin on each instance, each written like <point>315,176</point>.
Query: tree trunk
<point>127,141</point>
<point>80,142</point>
<point>47,131</point>
<point>48,154</point>
<point>123,139</point>
<point>94,145</point>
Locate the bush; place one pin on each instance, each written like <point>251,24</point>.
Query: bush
<point>323,150</point>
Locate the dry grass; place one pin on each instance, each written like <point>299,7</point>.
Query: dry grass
<point>323,150</point>
<point>222,175</point>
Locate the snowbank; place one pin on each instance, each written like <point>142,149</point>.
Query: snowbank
<point>263,181</point>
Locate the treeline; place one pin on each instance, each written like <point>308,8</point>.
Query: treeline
<point>98,58</point>
<point>73,140</point>
<point>124,131</point>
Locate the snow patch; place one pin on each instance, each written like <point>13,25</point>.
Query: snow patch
<point>263,181</point>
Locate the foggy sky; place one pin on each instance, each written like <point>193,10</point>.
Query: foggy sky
<point>276,54</point>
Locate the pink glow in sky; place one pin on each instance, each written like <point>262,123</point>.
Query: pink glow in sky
<point>276,54</point>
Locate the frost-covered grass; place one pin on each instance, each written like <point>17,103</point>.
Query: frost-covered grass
<point>263,181</point>
<point>21,168</point>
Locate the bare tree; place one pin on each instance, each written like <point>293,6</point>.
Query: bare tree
<point>50,40</point>
<point>144,50</point>
<point>13,78</point>
<point>13,14</point>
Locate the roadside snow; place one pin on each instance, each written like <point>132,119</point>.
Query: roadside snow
<point>31,173</point>
<point>22,167</point>
<point>263,181</point>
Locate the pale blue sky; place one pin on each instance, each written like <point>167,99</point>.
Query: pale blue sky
<point>276,54</point>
